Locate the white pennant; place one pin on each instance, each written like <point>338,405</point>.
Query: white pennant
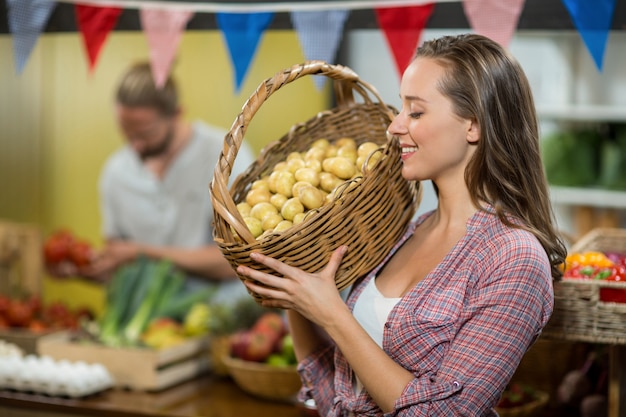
<point>319,34</point>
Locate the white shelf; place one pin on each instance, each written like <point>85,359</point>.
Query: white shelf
<point>604,113</point>
<point>593,197</point>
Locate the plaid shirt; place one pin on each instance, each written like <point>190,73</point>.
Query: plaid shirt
<point>462,330</point>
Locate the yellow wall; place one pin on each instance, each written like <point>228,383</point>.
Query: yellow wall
<point>57,126</point>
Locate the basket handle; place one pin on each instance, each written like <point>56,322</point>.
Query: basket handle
<point>346,82</point>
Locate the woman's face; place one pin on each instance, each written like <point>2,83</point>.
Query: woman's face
<point>436,143</point>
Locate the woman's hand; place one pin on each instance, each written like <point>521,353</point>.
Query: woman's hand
<point>315,296</point>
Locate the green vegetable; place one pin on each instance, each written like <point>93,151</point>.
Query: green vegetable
<point>140,292</point>
<point>118,309</point>
<point>158,281</point>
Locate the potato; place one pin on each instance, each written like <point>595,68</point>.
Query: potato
<point>256,196</point>
<point>263,209</point>
<point>270,221</point>
<point>292,207</point>
<point>254,225</point>
<point>308,175</point>
<point>284,183</point>
<point>278,200</point>
<point>310,197</point>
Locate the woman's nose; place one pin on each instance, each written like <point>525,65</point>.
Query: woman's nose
<point>396,127</point>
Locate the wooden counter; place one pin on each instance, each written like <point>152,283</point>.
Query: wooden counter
<point>206,396</point>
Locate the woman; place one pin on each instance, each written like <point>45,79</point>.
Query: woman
<point>439,327</point>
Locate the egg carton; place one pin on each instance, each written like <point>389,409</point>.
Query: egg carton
<point>44,375</point>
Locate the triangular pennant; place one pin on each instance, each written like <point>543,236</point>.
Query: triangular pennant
<point>403,28</point>
<point>242,32</point>
<point>319,33</point>
<point>95,23</point>
<point>495,19</point>
<point>27,18</point>
<point>163,29</point>
<point>593,21</point>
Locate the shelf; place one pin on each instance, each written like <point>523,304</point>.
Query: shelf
<point>591,197</point>
<point>606,113</point>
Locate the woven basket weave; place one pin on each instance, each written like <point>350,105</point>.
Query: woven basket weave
<point>579,313</point>
<point>369,217</point>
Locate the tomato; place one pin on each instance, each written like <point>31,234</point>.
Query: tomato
<point>80,253</point>
<point>57,247</point>
<point>19,314</point>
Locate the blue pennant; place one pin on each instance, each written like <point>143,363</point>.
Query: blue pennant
<point>593,21</point>
<point>242,32</point>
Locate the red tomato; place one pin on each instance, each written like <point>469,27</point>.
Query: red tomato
<point>80,253</point>
<point>57,247</point>
<point>20,313</point>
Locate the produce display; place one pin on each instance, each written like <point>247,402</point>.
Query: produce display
<point>594,265</point>
<point>266,341</point>
<point>28,312</point>
<point>303,183</point>
<point>146,305</point>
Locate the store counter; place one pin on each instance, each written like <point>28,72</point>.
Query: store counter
<point>205,396</point>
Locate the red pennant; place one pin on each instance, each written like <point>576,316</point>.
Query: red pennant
<point>403,27</point>
<point>95,23</point>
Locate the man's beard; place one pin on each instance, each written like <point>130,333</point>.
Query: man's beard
<point>159,149</point>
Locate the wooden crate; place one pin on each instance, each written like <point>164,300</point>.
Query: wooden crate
<point>580,313</point>
<point>134,368</point>
<point>20,258</point>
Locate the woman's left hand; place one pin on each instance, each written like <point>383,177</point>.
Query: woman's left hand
<point>312,295</point>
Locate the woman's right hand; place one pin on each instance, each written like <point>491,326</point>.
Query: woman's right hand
<point>314,295</point>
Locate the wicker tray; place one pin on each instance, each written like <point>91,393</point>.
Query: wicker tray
<point>369,216</point>
<point>264,381</point>
<point>579,312</point>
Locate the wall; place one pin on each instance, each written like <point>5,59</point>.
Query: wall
<point>57,124</point>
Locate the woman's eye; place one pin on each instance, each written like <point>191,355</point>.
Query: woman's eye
<point>415,115</point>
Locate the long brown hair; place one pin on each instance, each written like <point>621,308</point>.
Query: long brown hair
<point>487,84</point>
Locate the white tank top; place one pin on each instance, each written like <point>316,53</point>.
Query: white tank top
<point>371,311</point>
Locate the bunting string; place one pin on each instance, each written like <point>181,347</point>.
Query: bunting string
<point>234,7</point>
<point>318,24</point>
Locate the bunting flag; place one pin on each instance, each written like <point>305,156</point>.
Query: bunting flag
<point>495,19</point>
<point>403,28</point>
<point>27,18</point>
<point>319,33</point>
<point>593,21</point>
<point>163,29</point>
<point>94,24</point>
<point>242,32</point>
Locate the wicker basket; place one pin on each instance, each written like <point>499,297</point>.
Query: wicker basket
<point>579,312</point>
<point>369,216</point>
<point>264,381</point>
<point>527,410</point>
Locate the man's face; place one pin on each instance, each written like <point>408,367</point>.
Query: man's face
<point>147,131</point>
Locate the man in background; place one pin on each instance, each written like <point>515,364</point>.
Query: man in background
<point>154,193</point>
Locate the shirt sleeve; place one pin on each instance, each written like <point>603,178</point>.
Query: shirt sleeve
<point>317,374</point>
<point>506,309</point>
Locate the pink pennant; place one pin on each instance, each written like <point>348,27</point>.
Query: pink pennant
<point>496,19</point>
<point>403,27</point>
<point>95,23</point>
<point>164,29</point>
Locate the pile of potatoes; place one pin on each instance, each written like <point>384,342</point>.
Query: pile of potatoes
<point>303,182</point>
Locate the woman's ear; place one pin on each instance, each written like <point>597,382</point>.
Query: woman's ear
<point>473,131</point>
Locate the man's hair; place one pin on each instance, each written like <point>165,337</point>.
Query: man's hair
<point>137,89</point>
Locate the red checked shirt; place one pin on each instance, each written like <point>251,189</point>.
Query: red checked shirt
<point>462,330</point>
